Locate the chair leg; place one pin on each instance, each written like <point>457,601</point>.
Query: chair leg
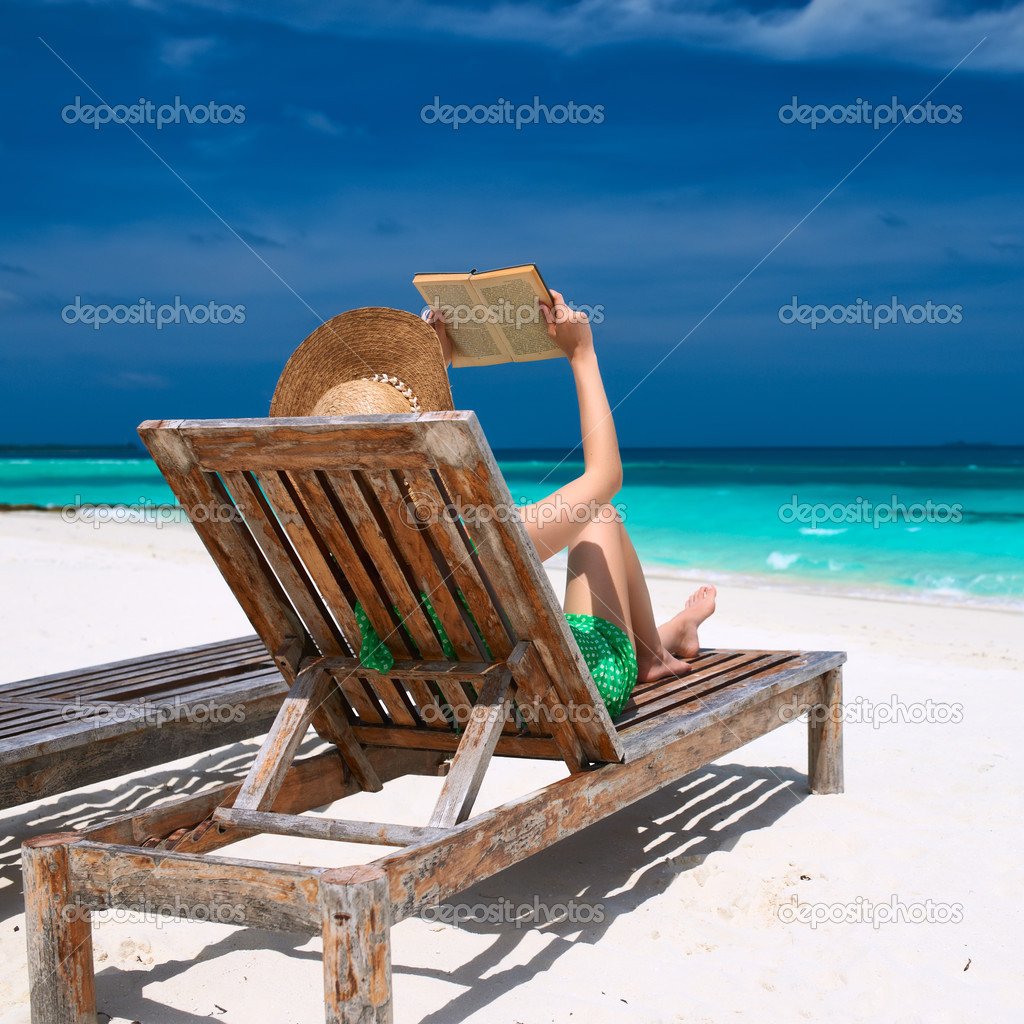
<point>355,904</point>
<point>62,978</point>
<point>825,737</point>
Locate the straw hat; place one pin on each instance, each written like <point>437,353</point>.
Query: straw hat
<point>366,361</point>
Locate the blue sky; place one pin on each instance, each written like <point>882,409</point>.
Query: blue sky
<point>333,192</point>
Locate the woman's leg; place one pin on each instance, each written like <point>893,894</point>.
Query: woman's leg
<point>677,636</point>
<point>605,579</point>
<point>597,580</point>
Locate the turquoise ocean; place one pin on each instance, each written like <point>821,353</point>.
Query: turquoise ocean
<point>934,524</point>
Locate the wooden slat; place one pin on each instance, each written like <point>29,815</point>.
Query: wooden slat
<point>265,777</point>
<point>383,558</point>
<point>474,753</point>
<point>531,677</point>
<point>647,691</point>
<point>273,896</point>
<point>331,722</point>
<point>167,664</point>
<point>330,519</point>
<point>358,696</point>
<point>754,668</point>
<point>388,694</point>
<point>229,543</point>
<point>374,833</point>
<point>273,542</point>
<point>410,669</point>
<point>541,747</point>
<point>458,558</point>
<point>309,546</point>
<point>307,443</point>
<point>644,738</point>
<point>419,557</point>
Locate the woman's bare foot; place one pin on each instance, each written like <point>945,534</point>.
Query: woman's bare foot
<point>660,665</point>
<point>679,634</point>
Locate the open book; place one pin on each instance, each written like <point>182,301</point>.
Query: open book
<point>494,317</point>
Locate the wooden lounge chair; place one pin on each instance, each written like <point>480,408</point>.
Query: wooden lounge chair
<point>64,731</point>
<point>305,518</point>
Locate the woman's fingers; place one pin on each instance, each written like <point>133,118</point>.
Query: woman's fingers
<point>549,317</point>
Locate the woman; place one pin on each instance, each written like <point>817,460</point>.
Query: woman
<point>377,360</point>
<point>605,582</point>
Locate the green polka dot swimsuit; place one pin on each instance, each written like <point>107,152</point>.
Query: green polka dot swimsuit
<point>605,648</point>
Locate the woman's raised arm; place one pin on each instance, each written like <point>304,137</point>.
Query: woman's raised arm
<point>554,522</point>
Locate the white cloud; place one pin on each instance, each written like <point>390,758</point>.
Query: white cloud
<point>181,54</point>
<point>318,122</point>
<point>922,33</point>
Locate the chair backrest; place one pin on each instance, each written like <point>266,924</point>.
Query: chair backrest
<point>310,519</point>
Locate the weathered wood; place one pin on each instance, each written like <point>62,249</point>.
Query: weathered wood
<point>644,738</point>
<point>474,753</point>
<point>374,833</point>
<point>309,546</point>
<point>278,750</point>
<point>239,653</point>
<point>515,569</point>
<point>62,985</point>
<point>311,700</point>
<point>825,736</point>
<point>373,536</point>
<point>412,541</point>
<point>331,724</point>
<point>225,537</point>
<point>331,522</point>
<point>356,925</point>
<point>132,714</point>
<point>496,839</point>
<point>194,886</point>
<point>432,507</point>
<point>310,782</point>
<point>541,747</point>
<point>281,557</point>
<point>476,671</point>
<point>341,443</point>
<point>531,679</point>
<point>82,757</point>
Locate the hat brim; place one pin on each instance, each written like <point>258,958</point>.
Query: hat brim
<point>357,344</point>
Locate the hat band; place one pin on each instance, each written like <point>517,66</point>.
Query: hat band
<point>400,386</point>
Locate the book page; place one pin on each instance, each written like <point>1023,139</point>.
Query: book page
<point>515,305</point>
<point>472,342</point>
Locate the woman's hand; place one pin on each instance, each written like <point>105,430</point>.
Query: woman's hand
<point>436,320</point>
<point>568,328</point>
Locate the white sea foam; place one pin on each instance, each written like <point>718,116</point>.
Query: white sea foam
<point>780,560</point>
<point>820,531</point>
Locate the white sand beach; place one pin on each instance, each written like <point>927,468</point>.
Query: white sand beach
<point>690,891</point>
